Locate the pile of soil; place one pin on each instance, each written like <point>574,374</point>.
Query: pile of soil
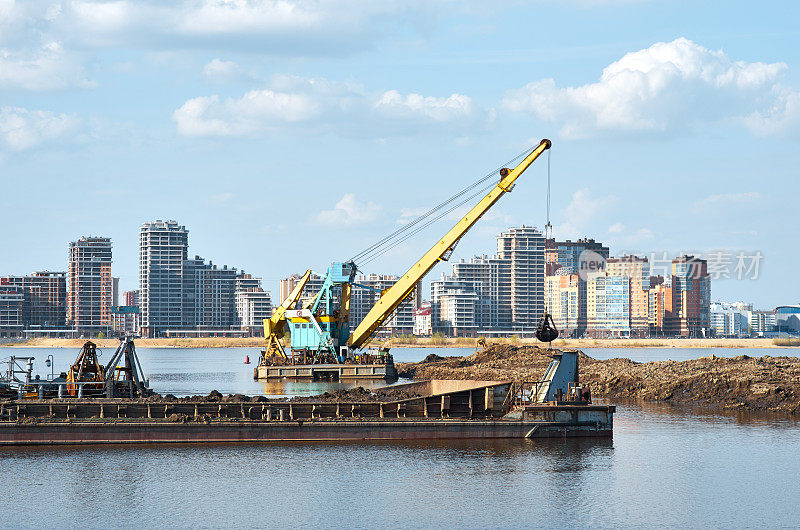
<point>764,383</point>
<point>362,395</point>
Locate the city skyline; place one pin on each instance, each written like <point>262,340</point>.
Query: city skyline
<point>670,132</point>
<point>744,265</point>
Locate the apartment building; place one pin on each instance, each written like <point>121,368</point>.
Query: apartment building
<point>455,305</point>
<point>44,303</point>
<point>637,270</point>
<point>253,304</point>
<point>209,295</point>
<point>89,285</point>
<point>163,250</point>
<point>608,305</point>
<point>491,279</point>
<point>566,255</point>
<point>523,247</point>
<point>692,291</point>
<point>564,299</point>
<point>11,300</point>
<point>365,293</point>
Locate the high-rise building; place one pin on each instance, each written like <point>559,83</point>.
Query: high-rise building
<point>209,295</point>
<point>524,248</point>
<point>253,305</point>
<point>564,299</point>
<point>454,305</point>
<point>89,285</point>
<point>608,305</point>
<point>692,285</point>
<point>566,255</point>
<point>44,305</point>
<point>309,291</point>
<point>638,271</point>
<point>365,293</point>
<point>130,298</point>
<point>10,311</point>
<point>163,249</point>
<point>491,278</point>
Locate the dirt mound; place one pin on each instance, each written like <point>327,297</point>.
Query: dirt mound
<point>362,395</point>
<point>765,383</point>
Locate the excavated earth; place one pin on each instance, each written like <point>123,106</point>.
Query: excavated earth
<point>743,382</point>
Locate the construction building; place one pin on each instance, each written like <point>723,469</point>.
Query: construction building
<point>163,249</point>
<point>89,286</point>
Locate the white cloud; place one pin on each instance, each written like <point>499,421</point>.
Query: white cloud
<point>349,211</point>
<point>581,214</point>
<point>395,105</point>
<point>292,101</point>
<point>616,228</point>
<point>294,27</point>
<point>218,70</point>
<point>409,214</point>
<point>668,86</point>
<point>22,129</point>
<point>47,68</point>
<point>256,112</point>
<point>726,200</point>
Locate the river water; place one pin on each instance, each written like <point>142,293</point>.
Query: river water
<point>667,465</point>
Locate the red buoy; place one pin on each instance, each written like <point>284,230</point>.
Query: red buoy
<point>246,359</point>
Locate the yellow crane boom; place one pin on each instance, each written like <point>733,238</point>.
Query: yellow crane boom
<point>394,296</point>
<point>275,326</point>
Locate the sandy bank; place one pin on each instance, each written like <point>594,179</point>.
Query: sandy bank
<point>226,342</point>
<point>750,383</point>
<point>461,342</point>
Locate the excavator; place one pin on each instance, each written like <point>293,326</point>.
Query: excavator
<point>320,331</point>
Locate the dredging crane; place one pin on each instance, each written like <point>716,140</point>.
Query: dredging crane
<point>321,340</point>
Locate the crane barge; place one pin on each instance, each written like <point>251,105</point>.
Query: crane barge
<point>322,345</point>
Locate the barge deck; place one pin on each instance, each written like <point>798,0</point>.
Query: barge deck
<point>425,410</point>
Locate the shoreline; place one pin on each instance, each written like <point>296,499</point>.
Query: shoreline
<point>436,342</point>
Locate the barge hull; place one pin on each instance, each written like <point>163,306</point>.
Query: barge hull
<point>147,432</point>
<point>327,372</point>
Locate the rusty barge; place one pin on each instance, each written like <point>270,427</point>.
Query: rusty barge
<point>437,410</point>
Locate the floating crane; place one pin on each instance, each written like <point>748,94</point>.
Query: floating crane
<point>321,342</point>
<point>275,326</point>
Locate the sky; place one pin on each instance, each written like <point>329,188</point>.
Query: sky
<point>288,134</point>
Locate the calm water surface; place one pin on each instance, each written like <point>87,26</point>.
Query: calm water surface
<point>666,466</point>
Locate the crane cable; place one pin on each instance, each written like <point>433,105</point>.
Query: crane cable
<point>548,228</point>
<point>372,257</point>
<point>398,236</point>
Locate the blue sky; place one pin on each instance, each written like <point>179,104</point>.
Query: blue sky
<point>285,134</point>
